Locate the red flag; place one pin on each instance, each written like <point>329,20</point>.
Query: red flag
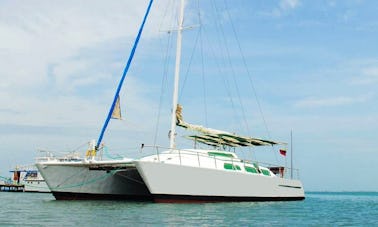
<point>283,152</point>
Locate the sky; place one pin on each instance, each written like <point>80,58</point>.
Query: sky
<point>261,68</point>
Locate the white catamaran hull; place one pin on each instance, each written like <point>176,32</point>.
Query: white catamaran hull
<point>179,183</point>
<point>101,180</point>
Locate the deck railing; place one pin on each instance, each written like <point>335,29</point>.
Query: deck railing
<point>49,156</point>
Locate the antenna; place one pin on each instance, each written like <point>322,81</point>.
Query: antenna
<point>291,153</point>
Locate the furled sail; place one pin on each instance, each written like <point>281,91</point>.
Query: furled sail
<point>213,137</point>
<point>116,96</point>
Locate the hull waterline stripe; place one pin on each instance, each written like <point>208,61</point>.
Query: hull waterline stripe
<point>89,196</point>
<point>163,198</point>
<point>289,186</point>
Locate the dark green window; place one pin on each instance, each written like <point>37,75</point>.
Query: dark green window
<point>231,166</point>
<point>250,169</point>
<point>265,172</point>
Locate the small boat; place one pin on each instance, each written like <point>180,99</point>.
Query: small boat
<point>8,185</point>
<point>30,178</point>
<point>215,174</point>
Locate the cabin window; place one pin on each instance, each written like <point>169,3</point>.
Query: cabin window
<point>231,166</point>
<point>265,172</point>
<point>250,169</point>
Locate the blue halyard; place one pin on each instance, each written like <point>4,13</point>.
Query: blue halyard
<point>123,76</point>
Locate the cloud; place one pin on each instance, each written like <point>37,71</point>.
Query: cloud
<point>284,7</point>
<point>76,73</point>
<point>368,76</point>
<point>329,102</point>
<point>288,4</point>
<point>51,53</point>
<point>35,35</point>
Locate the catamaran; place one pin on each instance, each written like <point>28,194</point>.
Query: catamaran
<point>172,174</point>
<point>73,177</point>
<point>209,175</point>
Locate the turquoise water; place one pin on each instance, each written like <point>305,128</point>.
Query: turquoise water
<point>319,209</point>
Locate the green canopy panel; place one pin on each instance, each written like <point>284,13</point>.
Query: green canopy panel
<point>230,140</point>
<point>214,137</point>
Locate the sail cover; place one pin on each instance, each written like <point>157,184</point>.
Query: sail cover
<point>213,137</point>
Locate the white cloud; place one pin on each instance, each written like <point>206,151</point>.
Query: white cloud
<point>329,102</point>
<point>284,7</point>
<point>35,35</point>
<point>75,73</point>
<point>49,50</point>
<point>368,76</point>
<point>56,30</point>
<point>289,4</point>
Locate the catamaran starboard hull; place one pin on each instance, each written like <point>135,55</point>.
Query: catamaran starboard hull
<point>179,183</point>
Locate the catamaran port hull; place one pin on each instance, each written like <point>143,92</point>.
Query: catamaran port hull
<point>79,181</point>
<point>179,183</point>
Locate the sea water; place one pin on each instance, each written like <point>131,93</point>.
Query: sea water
<point>318,209</point>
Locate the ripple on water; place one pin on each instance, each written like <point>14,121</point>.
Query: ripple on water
<point>319,209</point>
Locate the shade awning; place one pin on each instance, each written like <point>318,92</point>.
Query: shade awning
<point>214,137</point>
<point>231,140</point>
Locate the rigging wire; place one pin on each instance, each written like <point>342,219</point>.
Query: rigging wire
<point>220,69</point>
<point>249,75</point>
<point>202,64</point>
<point>247,69</point>
<point>227,84</point>
<point>166,60</point>
<point>233,73</point>
<point>165,14</point>
<point>188,67</point>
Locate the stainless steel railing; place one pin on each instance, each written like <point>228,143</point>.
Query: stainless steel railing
<point>286,173</point>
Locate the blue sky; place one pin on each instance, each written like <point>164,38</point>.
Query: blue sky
<point>314,66</point>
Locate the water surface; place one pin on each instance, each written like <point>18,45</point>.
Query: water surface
<point>318,209</point>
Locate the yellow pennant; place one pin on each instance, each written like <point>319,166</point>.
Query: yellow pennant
<point>117,110</point>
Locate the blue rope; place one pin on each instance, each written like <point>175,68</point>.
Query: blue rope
<point>123,76</point>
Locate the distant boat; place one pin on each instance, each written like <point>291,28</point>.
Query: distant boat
<point>30,178</point>
<point>210,175</point>
<point>90,177</point>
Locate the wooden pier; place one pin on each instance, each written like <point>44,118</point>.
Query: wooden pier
<point>12,187</point>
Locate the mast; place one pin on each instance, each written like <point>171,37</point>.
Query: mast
<point>177,76</point>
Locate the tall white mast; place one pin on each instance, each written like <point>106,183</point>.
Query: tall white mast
<point>177,75</point>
